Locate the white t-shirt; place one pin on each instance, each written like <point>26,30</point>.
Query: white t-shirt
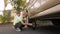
<point>17,19</point>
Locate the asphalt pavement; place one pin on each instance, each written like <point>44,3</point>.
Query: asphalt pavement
<point>8,29</point>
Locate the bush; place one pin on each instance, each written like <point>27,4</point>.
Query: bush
<point>3,19</point>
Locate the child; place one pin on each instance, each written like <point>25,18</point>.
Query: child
<point>24,22</point>
<point>16,21</point>
<point>19,21</point>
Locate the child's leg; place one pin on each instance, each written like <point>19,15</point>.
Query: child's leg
<point>21,26</point>
<point>16,26</point>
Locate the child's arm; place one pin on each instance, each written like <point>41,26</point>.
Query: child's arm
<point>23,23</point>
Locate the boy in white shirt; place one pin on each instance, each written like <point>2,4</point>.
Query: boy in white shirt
<point>16,21</point>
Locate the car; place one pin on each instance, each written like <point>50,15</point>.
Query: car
<point>48,11</point>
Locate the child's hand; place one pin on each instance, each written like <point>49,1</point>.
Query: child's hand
<point>25,26</point>
<point>29,24</point>
<point>25,23</point>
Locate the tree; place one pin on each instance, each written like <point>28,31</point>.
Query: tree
<point>19,4</point>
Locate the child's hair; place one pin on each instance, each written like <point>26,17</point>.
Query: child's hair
<point>17,12</point>
<point>27,11</point>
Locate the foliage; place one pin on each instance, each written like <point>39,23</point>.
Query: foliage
<point>19,4</point>
<point>0,17</point>
<point>12,17</point>
<point>3,19</point>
